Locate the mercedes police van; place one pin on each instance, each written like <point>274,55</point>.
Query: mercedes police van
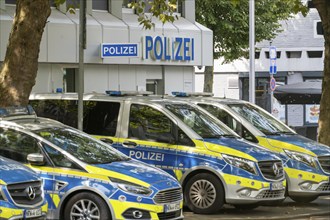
<point>213,164</point>
<point>21,192</point>
<point>308,169</point>
<point>85,178</point>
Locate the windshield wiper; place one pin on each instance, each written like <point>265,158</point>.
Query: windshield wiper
<point>120,159</point>
<point>279,133</point>
<point>221,135</point>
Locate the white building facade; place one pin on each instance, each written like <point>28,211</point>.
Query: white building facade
<point>160,60</point>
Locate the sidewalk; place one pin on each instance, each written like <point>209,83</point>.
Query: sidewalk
<point>287,210</point>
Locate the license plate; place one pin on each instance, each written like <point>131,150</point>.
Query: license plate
<point>31,213</point>
<point>172,207</point>
<point>276,186</point>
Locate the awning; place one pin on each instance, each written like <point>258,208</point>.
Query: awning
<point>308,92</point>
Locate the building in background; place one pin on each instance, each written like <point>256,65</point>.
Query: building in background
<point>300,55</point>
<point>132,59</point>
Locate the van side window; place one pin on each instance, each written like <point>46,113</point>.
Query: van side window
<point>101,118</point>
<point>146,123</point>
<point>231,122</point>
<point>16,145</point>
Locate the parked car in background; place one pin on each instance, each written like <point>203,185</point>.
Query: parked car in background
<point>83,177</point>
<point>214,165</point>
<point>308,168</point>
<point>21,192</point>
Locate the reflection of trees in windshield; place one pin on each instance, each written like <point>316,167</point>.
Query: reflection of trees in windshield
<point>81,146</point>
<point>201,123</point>
<point>262,121</point>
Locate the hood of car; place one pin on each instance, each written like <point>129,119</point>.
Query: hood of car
<point>14,172</point>
<point>137,172</point>
<point>299,143</point>
<point>239,148</point>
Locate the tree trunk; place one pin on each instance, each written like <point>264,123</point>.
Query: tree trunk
<point>208,79</point>
<point>323,7</point>
<point>19,69</point>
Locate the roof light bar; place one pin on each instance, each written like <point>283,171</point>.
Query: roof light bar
<point>192,94</point>
<point>128,93</point>
<point>16,111</point>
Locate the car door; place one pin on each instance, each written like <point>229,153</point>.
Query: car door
<point>149,136</point>
<point>16,145</point>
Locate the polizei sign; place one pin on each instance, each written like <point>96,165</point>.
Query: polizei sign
<point>153,48</point>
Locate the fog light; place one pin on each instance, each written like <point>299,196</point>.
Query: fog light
<point>306,186</point>
<point>137,214</point>
<point>244,193</point>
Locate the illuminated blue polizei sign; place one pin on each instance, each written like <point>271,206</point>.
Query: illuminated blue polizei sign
<point>168,48</point>
<point>119,50</point>
<point>154,48</point>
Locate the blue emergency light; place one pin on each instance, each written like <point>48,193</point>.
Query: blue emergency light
<point>16,111</point>
<point>192,94</point>
<point>128,93</point>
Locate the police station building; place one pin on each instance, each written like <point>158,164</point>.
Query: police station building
<point>120,53</point>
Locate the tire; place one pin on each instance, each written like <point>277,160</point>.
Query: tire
<point>246,206</point>
<point>303,199</point>
<point>204,194</point>
<point>86,205</point>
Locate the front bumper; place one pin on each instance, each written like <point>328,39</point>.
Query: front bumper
<point>14,213</point>
<point>301,183</point>
<point>155,211</point>
<point>241,190</point>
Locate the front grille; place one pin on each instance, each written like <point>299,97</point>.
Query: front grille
<point>271,194</point>
<point>325,163</point>
<point>272,170</point>
<point>168,196</point>
<point>20,192</point>
<point>324,187</point>
<point>169,215</point>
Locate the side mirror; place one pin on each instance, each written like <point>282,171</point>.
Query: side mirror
<point>36,159</point>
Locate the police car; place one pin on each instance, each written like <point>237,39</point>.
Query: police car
<point>213,164</point>
<point>308,167</point>
<point>83,177</point>
<point>21,192</point>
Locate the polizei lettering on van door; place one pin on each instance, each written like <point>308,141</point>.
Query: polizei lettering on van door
<point>169,48</point>
<point>140,155</point>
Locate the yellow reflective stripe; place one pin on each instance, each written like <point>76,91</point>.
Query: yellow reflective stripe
<point>8,212</point>
<point>121,176</point>
<point>44,208</point>
<point>244,182</point>
<point>178,174</point>
<point>217,149</point>
<point>56,199</point>
<point>2,182</point>
<point>293,173</point>
<point>287,146</point>
<point>264,142</point>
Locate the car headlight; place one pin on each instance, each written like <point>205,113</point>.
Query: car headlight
<point>131,187</point>
<point>301,157</point>
<point>242,163</point>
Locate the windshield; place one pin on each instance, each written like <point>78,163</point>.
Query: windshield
<point>81,145</point>
<point>198,121</point>
<point>264,122</point>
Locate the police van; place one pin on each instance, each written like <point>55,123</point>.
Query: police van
<point>21,192</point>
<point>308,167</point>
<point>85,178</point>
<point>214,165</point>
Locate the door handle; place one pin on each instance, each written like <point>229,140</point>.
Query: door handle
<point>107,140</point>
<point>129,144</point>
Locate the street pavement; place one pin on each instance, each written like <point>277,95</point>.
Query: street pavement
<point>317,210</point>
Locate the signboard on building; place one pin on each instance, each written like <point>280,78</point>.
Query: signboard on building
<point>272,58</point>
<point>119,50</point>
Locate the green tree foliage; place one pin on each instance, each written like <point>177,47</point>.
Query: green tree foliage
<point>229,21</point>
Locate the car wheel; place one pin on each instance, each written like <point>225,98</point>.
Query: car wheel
<point>86,206</point>
<point>204,194</point>
<point>303,199</point>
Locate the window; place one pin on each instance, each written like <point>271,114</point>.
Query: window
<point>146,123</point>
<point>11,2</point>
<point>257,55</point>
<point>314,54</point>
<point>70,78</point>
<point>100,5</point>
<point>59,159</point>
<point>17,145</point>
<point>293,54</point>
